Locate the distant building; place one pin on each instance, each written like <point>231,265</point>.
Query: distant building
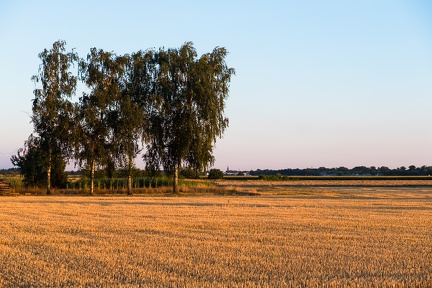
<point>230,172</point>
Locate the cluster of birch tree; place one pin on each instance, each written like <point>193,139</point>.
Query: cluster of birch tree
<point>169,102</point>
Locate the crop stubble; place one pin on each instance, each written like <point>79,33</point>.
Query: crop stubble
<point>325,238</point>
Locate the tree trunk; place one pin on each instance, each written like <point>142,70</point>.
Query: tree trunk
<point>129,188</point>
<point>175,183</point>
<point>48,191</point>
<point>129,183</point>
<point>92,173</point>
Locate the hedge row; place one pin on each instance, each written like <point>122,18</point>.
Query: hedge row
<point>121,183</point>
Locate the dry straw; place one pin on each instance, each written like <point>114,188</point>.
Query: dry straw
<point>305,240</point>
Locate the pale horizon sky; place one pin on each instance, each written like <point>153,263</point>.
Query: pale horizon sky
<point>318,83</point>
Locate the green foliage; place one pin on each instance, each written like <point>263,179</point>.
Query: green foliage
<point>188,173</point>
<point>334,178</point>
<point>215,174</point>
<point>189,100</point>
<point>170,99</point>
<point>52,112</point>
<point>101,118</point>
<point>343,171</point>
<point>31,162</point>
<point>122,183</point>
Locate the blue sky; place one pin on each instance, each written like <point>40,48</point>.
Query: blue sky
<point>319,83</point>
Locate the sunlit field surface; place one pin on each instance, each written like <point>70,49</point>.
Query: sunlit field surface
<point>358,237</point>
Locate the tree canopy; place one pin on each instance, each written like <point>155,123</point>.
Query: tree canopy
<point>31,161</point>
<point>188,116</point>
<point>98,115</point>
<point>169,102</point>
<point>52,111</point>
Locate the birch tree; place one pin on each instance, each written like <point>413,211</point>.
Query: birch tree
<point>132,109</point>
<point>52,109</point>
<point>189,102</point>
<point>102,73</point>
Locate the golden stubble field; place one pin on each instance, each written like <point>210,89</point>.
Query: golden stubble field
<point>312,237</point>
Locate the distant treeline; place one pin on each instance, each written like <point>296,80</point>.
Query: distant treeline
<point>9,171</point>
<point>343,171</point>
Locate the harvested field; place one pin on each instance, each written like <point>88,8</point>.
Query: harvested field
<point>302,182</point>
<point>312,237</point>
